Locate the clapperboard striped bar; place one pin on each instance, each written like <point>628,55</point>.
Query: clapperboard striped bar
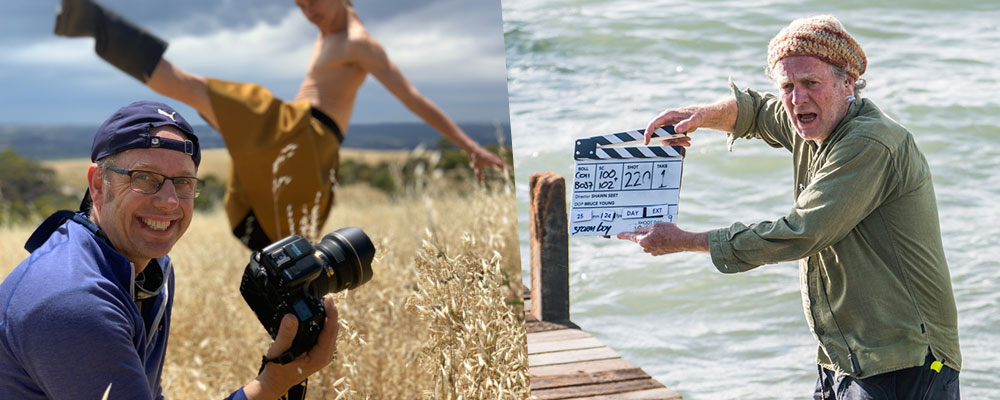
<point>620,187</point>
<point>602,147</point>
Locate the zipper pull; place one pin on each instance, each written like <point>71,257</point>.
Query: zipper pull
<point>855,367</point>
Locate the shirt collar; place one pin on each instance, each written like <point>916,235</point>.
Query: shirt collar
<point>838,132</point>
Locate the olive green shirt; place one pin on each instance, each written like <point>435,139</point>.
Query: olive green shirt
<point>865,230</point>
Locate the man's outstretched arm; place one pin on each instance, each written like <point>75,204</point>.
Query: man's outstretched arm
<point>374,59</point>
<point>719,116</point>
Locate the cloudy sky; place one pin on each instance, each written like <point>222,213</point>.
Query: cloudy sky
<point>451,50</point>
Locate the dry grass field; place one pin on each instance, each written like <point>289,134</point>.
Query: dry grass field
<point>440,319</point>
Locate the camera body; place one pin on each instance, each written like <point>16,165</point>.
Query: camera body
<point>291,276</point>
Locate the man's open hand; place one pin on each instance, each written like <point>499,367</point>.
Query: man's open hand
<point>666,238</point>
<point>685,120</point>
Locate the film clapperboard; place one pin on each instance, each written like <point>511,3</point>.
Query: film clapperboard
<point>620,185</point>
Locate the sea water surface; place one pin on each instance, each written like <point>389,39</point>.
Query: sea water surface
<point>580,68</point>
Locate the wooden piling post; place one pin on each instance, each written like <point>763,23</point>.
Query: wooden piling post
<point>564,361</point>
<point>549,248</point>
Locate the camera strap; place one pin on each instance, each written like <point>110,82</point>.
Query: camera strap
<point>53,222</point>
<point>147,285</point>
<point>297,391</point>
<point>284,358</point>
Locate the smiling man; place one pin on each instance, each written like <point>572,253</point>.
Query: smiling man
<point>89,310</point>
<point>875,284</point>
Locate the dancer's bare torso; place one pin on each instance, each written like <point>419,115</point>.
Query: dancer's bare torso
<point>336,71</point>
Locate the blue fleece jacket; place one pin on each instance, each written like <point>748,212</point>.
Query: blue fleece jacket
<point>69,327</point>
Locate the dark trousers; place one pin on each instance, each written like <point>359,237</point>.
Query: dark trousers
<point>917,383</point>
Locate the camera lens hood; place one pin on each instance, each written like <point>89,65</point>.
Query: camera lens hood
<point>350,253</point>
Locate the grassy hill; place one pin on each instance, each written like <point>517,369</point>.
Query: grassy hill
<point>59,142</point>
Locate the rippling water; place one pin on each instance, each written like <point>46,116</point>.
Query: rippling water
<point>588,67</point>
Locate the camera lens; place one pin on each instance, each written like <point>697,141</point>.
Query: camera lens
<point>349,253</point>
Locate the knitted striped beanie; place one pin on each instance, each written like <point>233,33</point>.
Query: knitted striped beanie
<point>820,36</point>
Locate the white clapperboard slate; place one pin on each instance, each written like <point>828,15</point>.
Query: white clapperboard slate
<point>619,188</point>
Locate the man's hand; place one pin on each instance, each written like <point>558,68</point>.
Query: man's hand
<point>276,379</point>
<point>685,120</point>
<point>666,238</point>
<point>482,158</point>
<point>720,116</point>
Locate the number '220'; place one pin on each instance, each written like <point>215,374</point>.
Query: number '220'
<point>636,179</point>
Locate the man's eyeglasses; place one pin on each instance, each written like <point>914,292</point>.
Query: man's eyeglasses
<point>149,182</point>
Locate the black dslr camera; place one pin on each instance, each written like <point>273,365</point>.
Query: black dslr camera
<point>291,276</point>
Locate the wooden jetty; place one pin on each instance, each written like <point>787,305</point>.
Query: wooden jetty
<point>564,361</point>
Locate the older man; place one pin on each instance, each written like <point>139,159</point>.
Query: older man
<point>875,283</point>
<point>285,154</point>
<point>89,311</point>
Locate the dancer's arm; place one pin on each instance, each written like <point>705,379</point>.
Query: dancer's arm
<point>374,59</point>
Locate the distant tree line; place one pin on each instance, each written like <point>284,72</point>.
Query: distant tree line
<point>65,141</point>
<point>28,189</point>
<point>392,177</point>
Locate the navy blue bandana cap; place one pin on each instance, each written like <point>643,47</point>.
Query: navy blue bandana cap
<point>130,128</point>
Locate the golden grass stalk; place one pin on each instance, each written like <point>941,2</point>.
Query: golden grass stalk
<point>477,342</point>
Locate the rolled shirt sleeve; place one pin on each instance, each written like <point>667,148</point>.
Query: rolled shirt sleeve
<point>760,116</point>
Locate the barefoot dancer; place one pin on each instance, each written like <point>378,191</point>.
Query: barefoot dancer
<point>285,154</point>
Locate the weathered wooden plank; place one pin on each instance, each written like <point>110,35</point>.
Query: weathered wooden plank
<point>578,367</point>
<point>663,393</point>
<point>542,326</point>
<point>572,392</point>
<point>565,357</point>
<point>588,378</point>
<point>564,345</point>
<point>556,335</point>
